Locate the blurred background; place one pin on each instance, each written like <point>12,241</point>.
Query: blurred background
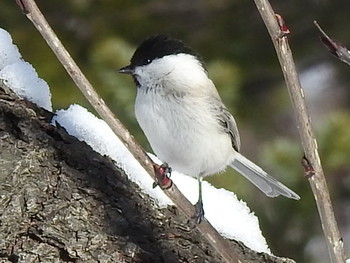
<point>233,41</point>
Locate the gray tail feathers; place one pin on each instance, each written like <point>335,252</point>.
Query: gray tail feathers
<point>266,183</point>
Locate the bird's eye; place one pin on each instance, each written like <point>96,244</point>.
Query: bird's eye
<point>145,61</point>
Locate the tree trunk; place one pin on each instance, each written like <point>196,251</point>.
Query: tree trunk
<point>62,202</point>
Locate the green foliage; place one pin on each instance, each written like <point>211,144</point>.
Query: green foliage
<point>334,135</point>
<point>227,79</point>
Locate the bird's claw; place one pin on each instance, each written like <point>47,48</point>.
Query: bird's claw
<point>199,211</point>
<point>162,173</point>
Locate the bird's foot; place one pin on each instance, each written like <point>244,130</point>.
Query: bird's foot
<point>199,211</point>
<point>162,173</point>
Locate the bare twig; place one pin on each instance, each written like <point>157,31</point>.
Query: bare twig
<point>336,49</point>
<point>31,10</point>
<point>317,181</point>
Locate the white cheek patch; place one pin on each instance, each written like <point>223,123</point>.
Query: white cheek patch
<point>173,70</point>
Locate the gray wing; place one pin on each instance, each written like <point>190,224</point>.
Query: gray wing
<point>229,126</point>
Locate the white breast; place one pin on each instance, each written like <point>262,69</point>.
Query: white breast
<point>187,138</point>
<point>173,109</point>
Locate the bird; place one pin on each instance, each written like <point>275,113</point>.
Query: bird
<point>184,119</point>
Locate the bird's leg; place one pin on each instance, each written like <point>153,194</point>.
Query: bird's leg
<point>199,204</point>
<point>162,173</point>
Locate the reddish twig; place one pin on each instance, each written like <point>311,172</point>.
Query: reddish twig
<point>335,48</point>
<point>308,169</point>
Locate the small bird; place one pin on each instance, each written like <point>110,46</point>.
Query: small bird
<point>181,113</point>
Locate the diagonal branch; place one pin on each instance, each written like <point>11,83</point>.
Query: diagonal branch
<point>33,13</point>
<point>276,28</point>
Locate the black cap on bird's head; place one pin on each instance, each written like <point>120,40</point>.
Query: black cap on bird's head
<point>156,47</point>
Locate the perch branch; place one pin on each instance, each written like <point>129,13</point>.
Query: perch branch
<point>33,13</point>
<point>308,140</point>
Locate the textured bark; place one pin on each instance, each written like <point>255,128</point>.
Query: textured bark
<point>62,202</point>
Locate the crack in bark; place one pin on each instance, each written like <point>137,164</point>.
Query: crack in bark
<point>10,257</point>
<point>35,234</point>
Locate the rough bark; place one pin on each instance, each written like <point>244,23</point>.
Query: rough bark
<point>62,202</point>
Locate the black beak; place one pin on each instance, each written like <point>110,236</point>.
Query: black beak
<point>127,70</point>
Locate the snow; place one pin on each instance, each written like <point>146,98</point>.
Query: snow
<point>20,76</point>
<point>95,132</point>
<point>8,53</point>
<point>230,216</point>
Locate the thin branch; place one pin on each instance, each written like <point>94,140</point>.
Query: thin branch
<point>336,49</point>
<point>308,140</point>
<point>33,13</point>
